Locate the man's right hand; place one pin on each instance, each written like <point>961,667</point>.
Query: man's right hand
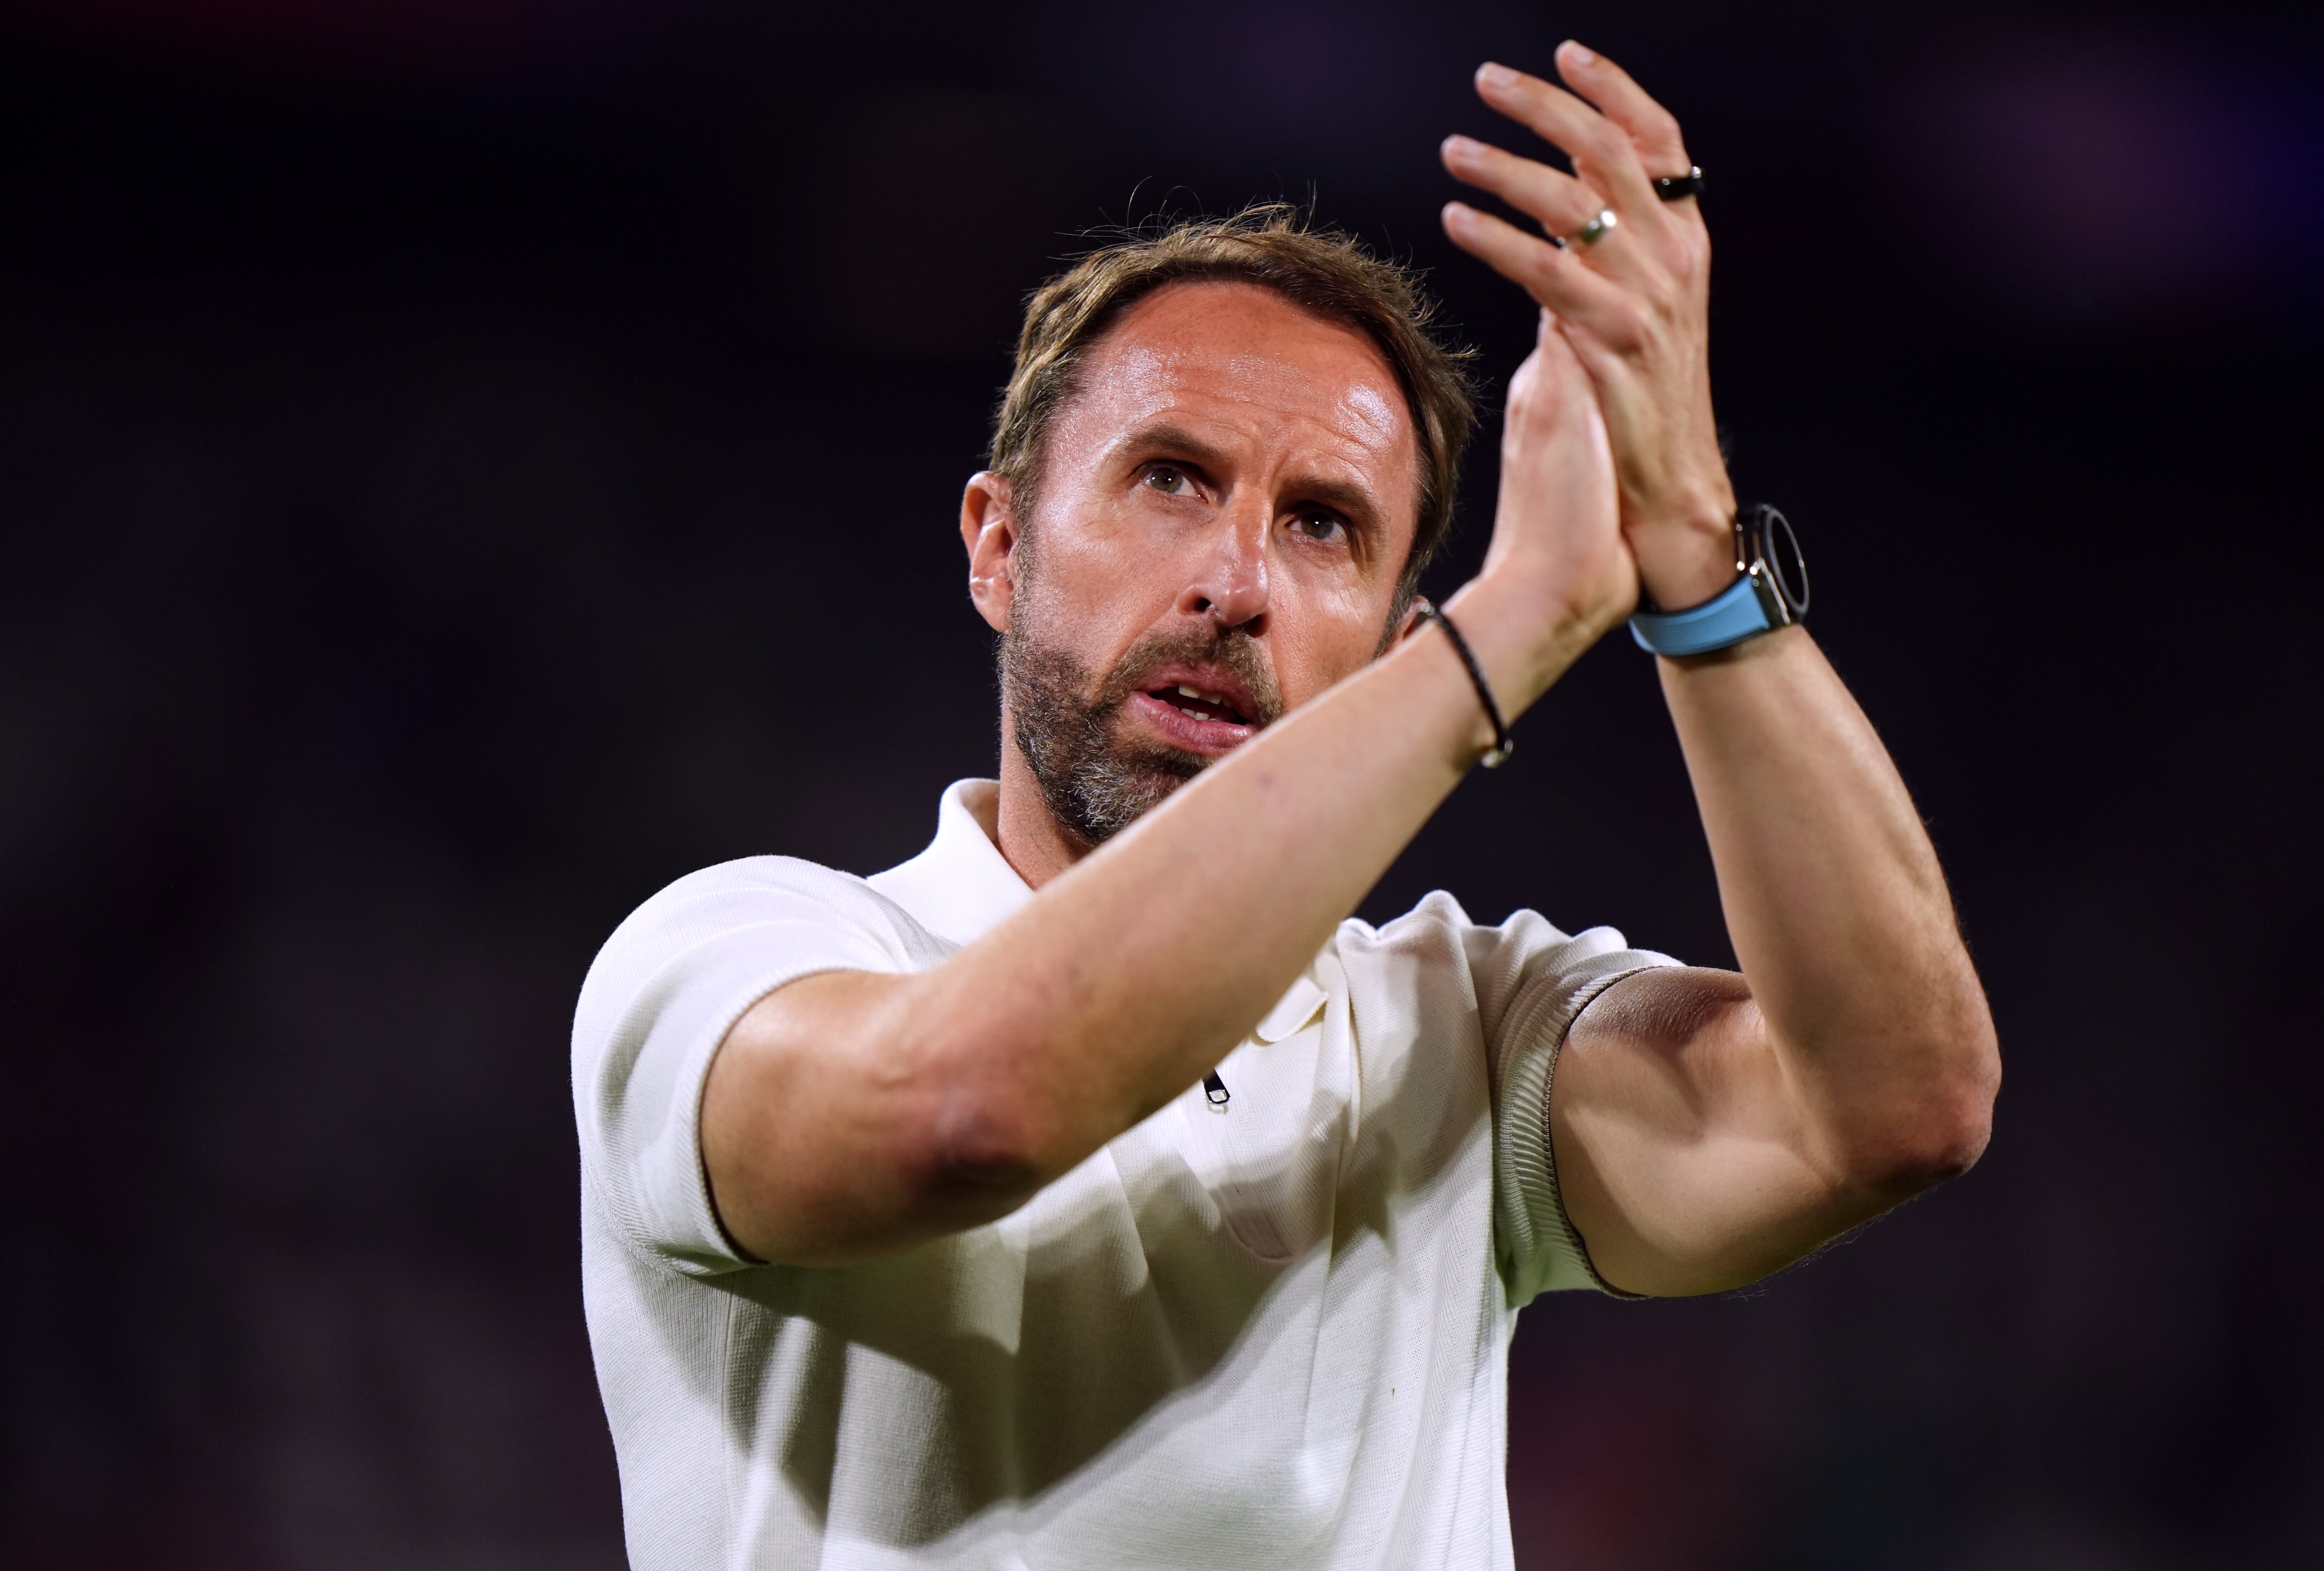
<point>1559,571</point>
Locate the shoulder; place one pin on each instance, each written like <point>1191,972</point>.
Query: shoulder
<point>1413,968</point>
<point>753,891</point>
<point>748,924</point>
<point>1439,920</point>
<point>1495,965</point>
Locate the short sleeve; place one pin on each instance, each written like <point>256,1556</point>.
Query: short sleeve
<point>660,998</point>
<point>1532,983</point>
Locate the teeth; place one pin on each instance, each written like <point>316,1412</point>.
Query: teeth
<point>1188,690</point>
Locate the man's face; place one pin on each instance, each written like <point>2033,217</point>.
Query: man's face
<point>1225,510</point>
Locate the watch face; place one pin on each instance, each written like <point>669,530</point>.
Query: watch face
<point>1780,550</point>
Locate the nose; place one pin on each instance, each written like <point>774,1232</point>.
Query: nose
<point>1230,582</point>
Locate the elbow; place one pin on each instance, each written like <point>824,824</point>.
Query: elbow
<point>1937,1122</point>
<point>1944,1143</point>
<point>976,1148</point>
<point>974,1140</point>
<point>833,1131</point>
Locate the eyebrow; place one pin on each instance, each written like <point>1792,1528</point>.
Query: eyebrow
<point>1339,495</point>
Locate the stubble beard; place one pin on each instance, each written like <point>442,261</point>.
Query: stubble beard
<point>1067,723</point>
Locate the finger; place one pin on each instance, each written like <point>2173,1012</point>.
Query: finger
<point>1562,203</point>
<point>1551,389</point>
<point>1600,150</point>
<point>1556,351</point>
<point>1652,128</point>
<point>1556,279</point>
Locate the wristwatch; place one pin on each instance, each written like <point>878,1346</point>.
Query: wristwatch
<point>1770,591</point>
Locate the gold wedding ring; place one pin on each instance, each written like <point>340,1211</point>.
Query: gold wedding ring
<point>1591,233</point>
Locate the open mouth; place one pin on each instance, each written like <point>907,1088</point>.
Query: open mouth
<point>1196,704</point>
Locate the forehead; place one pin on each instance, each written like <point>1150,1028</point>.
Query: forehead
<point>1251,365</point>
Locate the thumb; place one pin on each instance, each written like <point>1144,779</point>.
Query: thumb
<point>1556,348</point>
<point>1553,388</point>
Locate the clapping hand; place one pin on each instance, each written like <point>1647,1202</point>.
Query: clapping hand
<point>1624,276</point>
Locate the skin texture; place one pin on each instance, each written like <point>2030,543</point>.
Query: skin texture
<point>1238,475</point>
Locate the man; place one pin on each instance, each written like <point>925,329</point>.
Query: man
<point>1088,1191</point>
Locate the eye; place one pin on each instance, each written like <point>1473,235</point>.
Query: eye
<point>1169,481</point>
<point>1319,525</point>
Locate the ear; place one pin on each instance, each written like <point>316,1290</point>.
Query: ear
<point>1412,614</point>
<point>988,527</point>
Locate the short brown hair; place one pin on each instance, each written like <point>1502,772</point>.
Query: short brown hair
<point>1324,271</point>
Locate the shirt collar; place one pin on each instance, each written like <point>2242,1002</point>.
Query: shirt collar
<point>961,887</point>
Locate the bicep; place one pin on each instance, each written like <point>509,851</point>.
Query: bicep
<point>819,1117</point>
<point>1683,1157</point>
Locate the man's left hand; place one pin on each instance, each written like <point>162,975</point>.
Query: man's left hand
<point>1634,301</point>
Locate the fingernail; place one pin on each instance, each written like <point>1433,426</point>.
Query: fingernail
<point>1456,213</point>
<point>1459,146</point>
<point>1579,55</point>
<point>1496,75</point>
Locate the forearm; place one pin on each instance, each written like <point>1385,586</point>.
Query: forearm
<point>1709,1128</point>
<point>1133,973</point>
<point>1129,975</point>
<point>851,1114</point>
<point>1835,908</point>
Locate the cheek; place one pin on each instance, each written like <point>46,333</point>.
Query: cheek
<point>1326,627</point>
<point>1108,572</point>
<point>1092,589</point>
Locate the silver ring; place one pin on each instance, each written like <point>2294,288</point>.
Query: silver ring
<point>1591,233</point>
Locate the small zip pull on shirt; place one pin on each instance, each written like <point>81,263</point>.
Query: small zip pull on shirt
<point>1265,1327</point>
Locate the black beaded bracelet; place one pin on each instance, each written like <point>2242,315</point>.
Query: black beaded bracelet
<point>1503,743</point>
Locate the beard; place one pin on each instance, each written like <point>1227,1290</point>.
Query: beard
<point>1068,722</point>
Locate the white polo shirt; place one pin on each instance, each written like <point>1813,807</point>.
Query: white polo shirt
<point>1272,1334</point>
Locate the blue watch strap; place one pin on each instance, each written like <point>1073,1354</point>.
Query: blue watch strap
<point>1730,616</point>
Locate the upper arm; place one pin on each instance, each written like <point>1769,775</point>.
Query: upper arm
<point>742,1089</point>
<point>1686,1157</point>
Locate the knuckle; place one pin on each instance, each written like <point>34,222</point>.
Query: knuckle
<point>1693,259</point>
<point>1623,328</point>
<point>1530,101</point>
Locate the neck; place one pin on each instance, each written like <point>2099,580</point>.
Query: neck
<point>1031,839</point>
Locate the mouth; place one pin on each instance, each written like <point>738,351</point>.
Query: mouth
<point>1199,711</point>
<point>1196,704</point>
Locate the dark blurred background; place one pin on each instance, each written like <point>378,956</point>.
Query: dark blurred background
<point>463,465</point>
